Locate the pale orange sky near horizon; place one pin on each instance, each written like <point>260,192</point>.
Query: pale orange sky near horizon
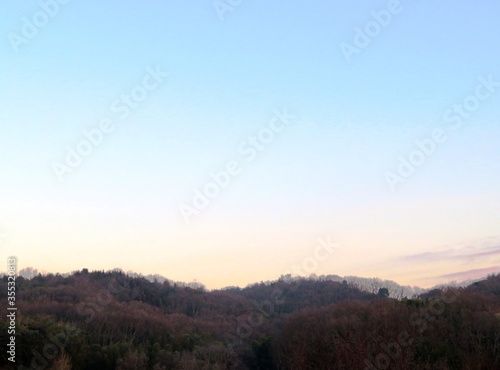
<point>115,121</point>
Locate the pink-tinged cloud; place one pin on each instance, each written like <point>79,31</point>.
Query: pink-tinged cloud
<point>469,274</point>
<point>461,254</point>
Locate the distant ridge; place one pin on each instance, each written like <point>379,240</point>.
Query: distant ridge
<point>369,285</point>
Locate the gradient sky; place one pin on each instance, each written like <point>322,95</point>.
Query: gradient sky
<point>323,176</point>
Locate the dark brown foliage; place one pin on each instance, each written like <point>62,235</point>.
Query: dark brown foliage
<point>108,320</point>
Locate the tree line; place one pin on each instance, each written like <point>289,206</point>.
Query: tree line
<point>110,320</point>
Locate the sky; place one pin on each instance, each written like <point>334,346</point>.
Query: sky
<point>231,142</point>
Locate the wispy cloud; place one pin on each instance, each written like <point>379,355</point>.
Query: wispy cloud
<point>467,261</point>
<point>465,254</point>
<point>469,274</point>
<point>463,275</point>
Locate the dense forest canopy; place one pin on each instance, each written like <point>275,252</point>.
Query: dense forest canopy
<point>110,320</point>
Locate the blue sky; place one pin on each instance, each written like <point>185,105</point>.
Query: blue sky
<point>322,176</point>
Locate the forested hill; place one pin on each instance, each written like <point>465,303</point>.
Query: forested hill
<point>109,320</point>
